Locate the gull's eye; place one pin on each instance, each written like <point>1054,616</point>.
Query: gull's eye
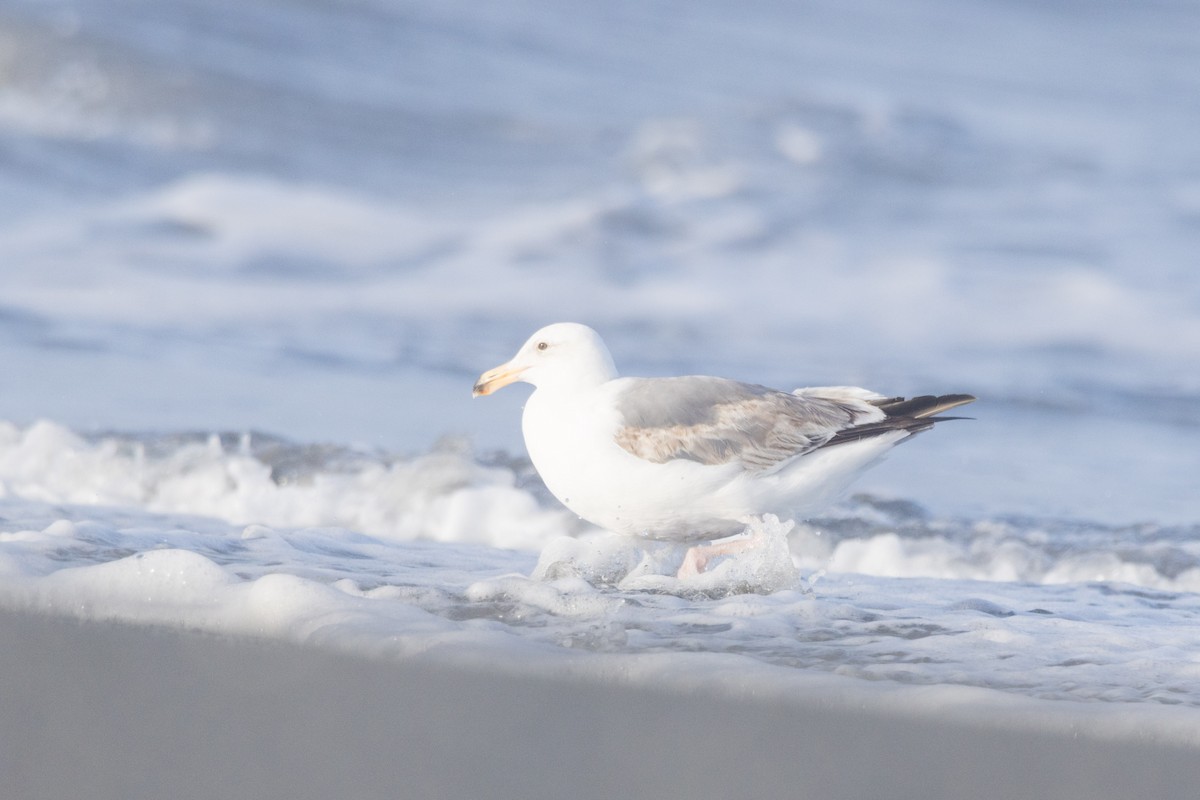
<point>542,345</point>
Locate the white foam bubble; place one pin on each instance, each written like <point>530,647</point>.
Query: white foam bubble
<point>990,558</point>
<point>754,621</point>
<point>443,495</point>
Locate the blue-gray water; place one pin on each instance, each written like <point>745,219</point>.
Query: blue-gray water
<point>253,256</point>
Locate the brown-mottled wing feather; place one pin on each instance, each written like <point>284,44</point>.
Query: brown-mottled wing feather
<point>718,421</point>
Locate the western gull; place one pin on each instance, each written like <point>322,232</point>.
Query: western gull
<point>694,458</point>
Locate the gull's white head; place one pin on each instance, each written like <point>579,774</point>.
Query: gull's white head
<point>562,355</point>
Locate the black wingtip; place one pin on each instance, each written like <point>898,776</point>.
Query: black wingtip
<point>912,415</point>
<point>924,406</point>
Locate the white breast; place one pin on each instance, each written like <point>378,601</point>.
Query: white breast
<point>570,439</point>
<point>566,436</point>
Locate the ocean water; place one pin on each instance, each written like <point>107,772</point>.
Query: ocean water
<point>252,258</point>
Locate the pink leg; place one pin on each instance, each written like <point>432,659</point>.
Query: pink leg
<point>696,559</point>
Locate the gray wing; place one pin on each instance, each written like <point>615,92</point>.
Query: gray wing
<point>718,421</point>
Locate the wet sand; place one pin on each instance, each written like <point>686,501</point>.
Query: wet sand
<point>99,710</point>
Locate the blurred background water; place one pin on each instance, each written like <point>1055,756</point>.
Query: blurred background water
<point>254,255</point>
<point>323,220</point>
